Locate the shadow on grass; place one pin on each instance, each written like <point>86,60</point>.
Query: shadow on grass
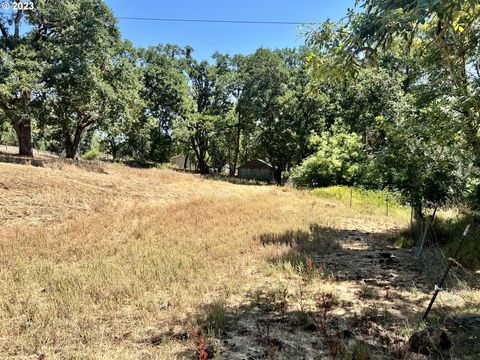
<point>55,163</point>
<point>275,323</point>
<point>351,255</point>
<point>235,180</point>
<point>387,297</point>
<point>19,159</point>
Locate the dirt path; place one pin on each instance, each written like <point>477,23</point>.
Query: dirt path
<point>378,290</point>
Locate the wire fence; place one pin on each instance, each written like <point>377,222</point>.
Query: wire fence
<point>434,261</point>
<point>446,274</point>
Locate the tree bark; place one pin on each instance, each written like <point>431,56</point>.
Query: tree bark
<point>200,149</point>
<point>203,167</point>
<point>419,220</point>
<point>24,135</point>
<point>71,145</point>
<point>114,149</point>
<point>277,175</point>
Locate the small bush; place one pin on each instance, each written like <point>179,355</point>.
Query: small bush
<point>92,154</point>
<point>214,318</point>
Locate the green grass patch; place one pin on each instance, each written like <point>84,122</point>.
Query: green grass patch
<point>373,201</point>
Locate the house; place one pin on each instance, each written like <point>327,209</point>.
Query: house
<point>256,170</point>
<point>182,162</point>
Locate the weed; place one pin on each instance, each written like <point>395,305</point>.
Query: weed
<point>371,313</point>
<point>310,267</point>
<point>270,344</point>
<point>361,351</point>
<point>201,347</point>
<point>214,318</point>
<point>367,292</point>
<point>374,201</point>
<point>326,302</point>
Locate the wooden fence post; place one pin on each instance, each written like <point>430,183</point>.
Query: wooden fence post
<point>387,203</point>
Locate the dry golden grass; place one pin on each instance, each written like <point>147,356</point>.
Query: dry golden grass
<point>93,264</point>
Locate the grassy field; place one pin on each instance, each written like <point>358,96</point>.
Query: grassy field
<point>130,263</point>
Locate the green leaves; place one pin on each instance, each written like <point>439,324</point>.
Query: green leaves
<point>83,69</point>
<point>340,159</point>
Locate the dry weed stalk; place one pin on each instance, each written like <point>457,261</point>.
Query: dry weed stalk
<point>326,303</point>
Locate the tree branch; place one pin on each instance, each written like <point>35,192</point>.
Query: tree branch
<point>4,30</point>
<point>18,18</point>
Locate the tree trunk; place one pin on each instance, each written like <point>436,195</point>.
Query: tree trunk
<point>202,166</point>
<point>418,217</point>
<point>24,136</point>
<point>236,151</point>
<point>277,175</point>
<point>71,146</point>
<point>113,149</point>
<point>200,149</point>
<point>70,150</point>
<point>425,232</point>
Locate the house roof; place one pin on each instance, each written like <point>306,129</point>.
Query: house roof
<point>256,164</point>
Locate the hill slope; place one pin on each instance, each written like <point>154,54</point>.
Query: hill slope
<point>129,263</point>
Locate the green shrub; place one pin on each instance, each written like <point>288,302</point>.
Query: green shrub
<point>340,160</point>
<point>92,154</point>
<point>7,135</point>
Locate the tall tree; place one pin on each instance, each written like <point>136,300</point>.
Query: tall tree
<point>165,94</point>
<point>122,125</point>
<point>20,74</point>
<point>261,104</point>
<point>20,83</point>
<point>444,35</point>
<point>211,101</point>
<point>81,62</point>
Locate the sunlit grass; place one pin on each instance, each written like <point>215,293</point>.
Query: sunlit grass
<point>379,202</point>
<point>114,259</point>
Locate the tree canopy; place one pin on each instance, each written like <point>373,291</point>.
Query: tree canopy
<point>387,98</point>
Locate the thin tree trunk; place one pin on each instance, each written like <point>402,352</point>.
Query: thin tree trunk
<point>233,168</point>
<point>425,232</point>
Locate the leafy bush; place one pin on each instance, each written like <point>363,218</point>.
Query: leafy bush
<point>340,160</point>
<point>7,135</point>
<point>92,154</point>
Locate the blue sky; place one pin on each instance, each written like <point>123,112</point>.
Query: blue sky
<point>225,38</point>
